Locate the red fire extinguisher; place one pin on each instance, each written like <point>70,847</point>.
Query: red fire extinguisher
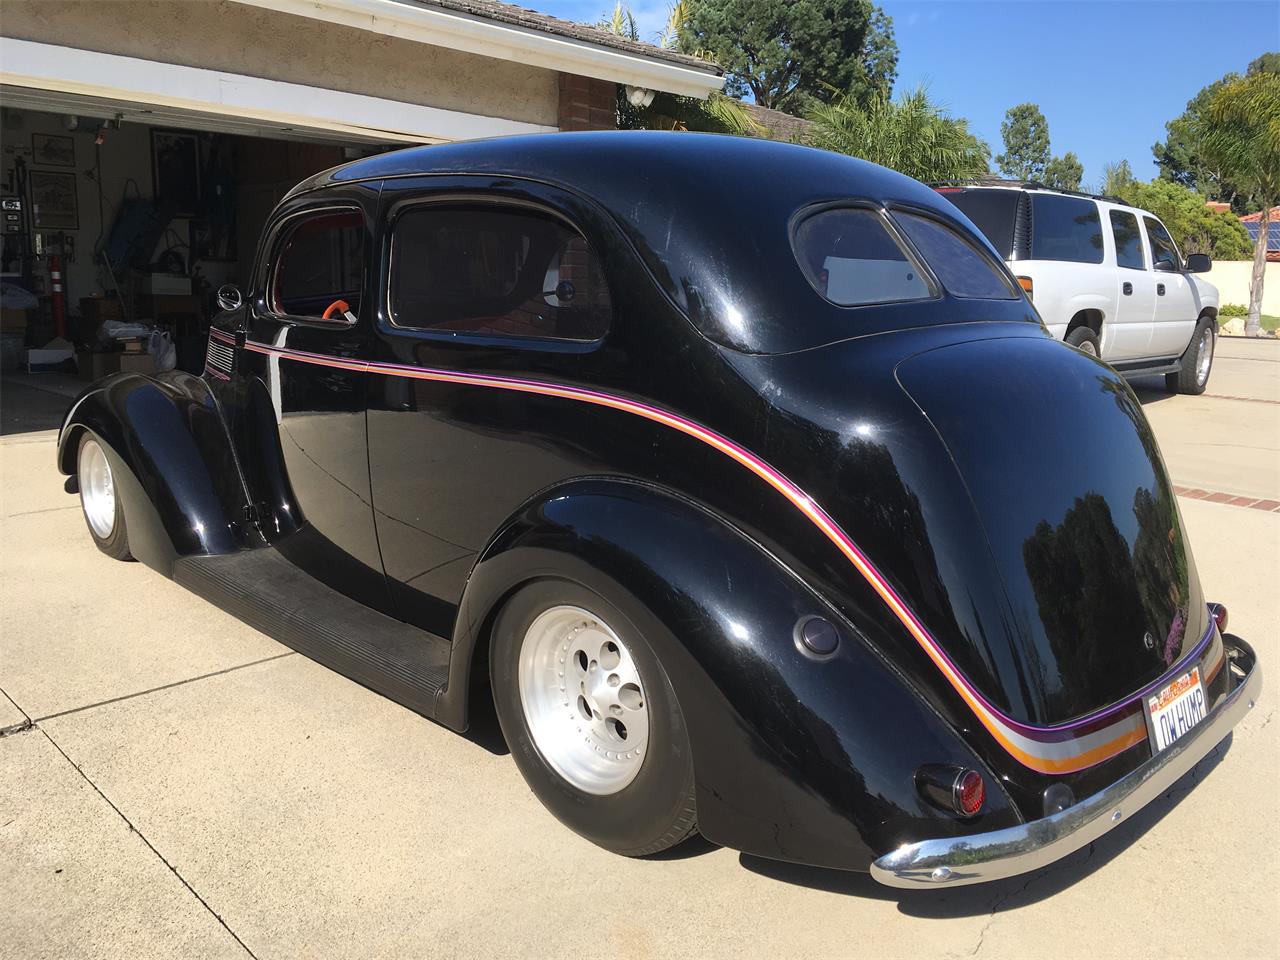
<point>59,299</point>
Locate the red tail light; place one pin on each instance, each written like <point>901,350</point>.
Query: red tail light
<point>952,787</point>
<point>1219,616</point>
<point>970,793</point>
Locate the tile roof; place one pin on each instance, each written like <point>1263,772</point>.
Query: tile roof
<point>533,20</point>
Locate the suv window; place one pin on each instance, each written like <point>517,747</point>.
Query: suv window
<point>1162,249</point>
<point>850,257</point>
<point>319,261</point>
<point>1124,228</point>
<point>962,269</point>
<point>498,271</point>
<point>1065,228</point>
<point>994,212</point>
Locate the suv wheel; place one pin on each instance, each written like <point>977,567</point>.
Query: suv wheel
<point>1197,362</point>
<point>1085,340</point>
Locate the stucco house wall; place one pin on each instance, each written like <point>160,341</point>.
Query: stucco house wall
<point>1232,277</point>
<point>218,35</point>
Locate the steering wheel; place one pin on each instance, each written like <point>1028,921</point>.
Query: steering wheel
<point>339,307</point>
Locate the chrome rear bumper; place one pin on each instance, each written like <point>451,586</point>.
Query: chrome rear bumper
<point>981,857</point>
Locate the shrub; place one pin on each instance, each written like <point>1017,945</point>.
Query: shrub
<point>1233,310</point>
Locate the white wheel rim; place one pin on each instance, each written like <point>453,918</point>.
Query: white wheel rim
<point>583,700</point>
<point>1206,357</point>
<point>97,489</point>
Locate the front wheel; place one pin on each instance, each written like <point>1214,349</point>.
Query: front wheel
<point>591,719</point>
<point>103,512</point>
<point>1197,361</point>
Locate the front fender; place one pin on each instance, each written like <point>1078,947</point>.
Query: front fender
<point>175,470</point>
<point>796,758</point>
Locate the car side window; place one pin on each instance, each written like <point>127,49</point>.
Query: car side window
<point>319,262</point>
<point>495,270</point>
<point>1124,228</point>
<point>1163,252</point>
<point>1065,228</point>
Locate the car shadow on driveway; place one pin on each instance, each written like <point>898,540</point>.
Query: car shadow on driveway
<point>1150,390</point>
<point>999,895</point>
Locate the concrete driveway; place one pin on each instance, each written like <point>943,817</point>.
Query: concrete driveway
<point>174,783</point>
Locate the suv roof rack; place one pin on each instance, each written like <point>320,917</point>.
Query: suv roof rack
<point>1026,185</point>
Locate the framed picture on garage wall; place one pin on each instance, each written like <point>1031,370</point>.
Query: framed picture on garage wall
<point>175,169</point>
<point>52,150</point>
<point>53,200</point>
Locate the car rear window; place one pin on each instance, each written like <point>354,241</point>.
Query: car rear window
<point>850,257</point>
<point>1065,228</point>
<point>994,212</point>
<point>963,270</point>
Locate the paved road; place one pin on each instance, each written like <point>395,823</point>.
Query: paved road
<point>191,788</point>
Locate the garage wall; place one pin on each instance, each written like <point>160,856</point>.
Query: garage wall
<point>217,35</point>
<point>125,155</point>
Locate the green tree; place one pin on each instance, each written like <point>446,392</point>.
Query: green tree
<point>1064,172</point>
<point>1026,143</point>
<point>787,54</point>
<point>1267,63</point>
<point>1117,178</point>
<point>1180,157</point>
<point>667,111</point>
<point>910,134</point>
<point>1241,135</point>
<point>1193,226</point>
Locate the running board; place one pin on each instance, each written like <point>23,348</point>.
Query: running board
<point>1131,373</point>
<point>271,594</point>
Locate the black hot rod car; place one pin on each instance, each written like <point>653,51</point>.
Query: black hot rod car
<point>742,475</point>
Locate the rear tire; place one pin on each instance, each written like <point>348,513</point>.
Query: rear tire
<point>591,719</point>
<point>103,512</point>
<point>1086,341</point>
<point>1197,361</point>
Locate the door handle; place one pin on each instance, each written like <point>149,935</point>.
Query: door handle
<point>1160,289</point>
<point>1127,288</point>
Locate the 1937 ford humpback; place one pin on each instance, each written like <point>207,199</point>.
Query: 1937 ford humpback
<point>743,473</point>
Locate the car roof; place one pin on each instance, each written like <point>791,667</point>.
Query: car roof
<point>1030,186</point>
<point>708,214</point>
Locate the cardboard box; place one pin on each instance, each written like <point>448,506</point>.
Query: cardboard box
<point>137,363</point>
<point>97,309</point>
<point>95,366</point>
<point>167,283</point>
<point>12,321</point>
<point>39,361</point>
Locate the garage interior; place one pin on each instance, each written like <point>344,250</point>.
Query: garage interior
<point>133,214</point>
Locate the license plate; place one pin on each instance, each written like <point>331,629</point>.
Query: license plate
<point>1174,711</point>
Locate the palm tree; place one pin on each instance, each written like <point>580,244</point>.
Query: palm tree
<point>1241,134</point>
<point>666,111</point>
<point>911,135</point>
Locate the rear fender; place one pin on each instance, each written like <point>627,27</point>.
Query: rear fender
<point>171,455</point>
<point>796,758</point>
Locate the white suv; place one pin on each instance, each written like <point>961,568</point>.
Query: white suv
<point>1107,278</point>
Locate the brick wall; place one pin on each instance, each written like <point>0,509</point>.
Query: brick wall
<point>587,104</point>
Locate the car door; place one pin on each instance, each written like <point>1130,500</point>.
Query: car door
<point>308,330</point>
<point>479,283</point>
<point>1130,335</point>
<point>1174,316</point>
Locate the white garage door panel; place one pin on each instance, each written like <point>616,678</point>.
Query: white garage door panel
<point>272,103</point>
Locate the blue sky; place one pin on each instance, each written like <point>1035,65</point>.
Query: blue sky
<point>1107,75</point>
